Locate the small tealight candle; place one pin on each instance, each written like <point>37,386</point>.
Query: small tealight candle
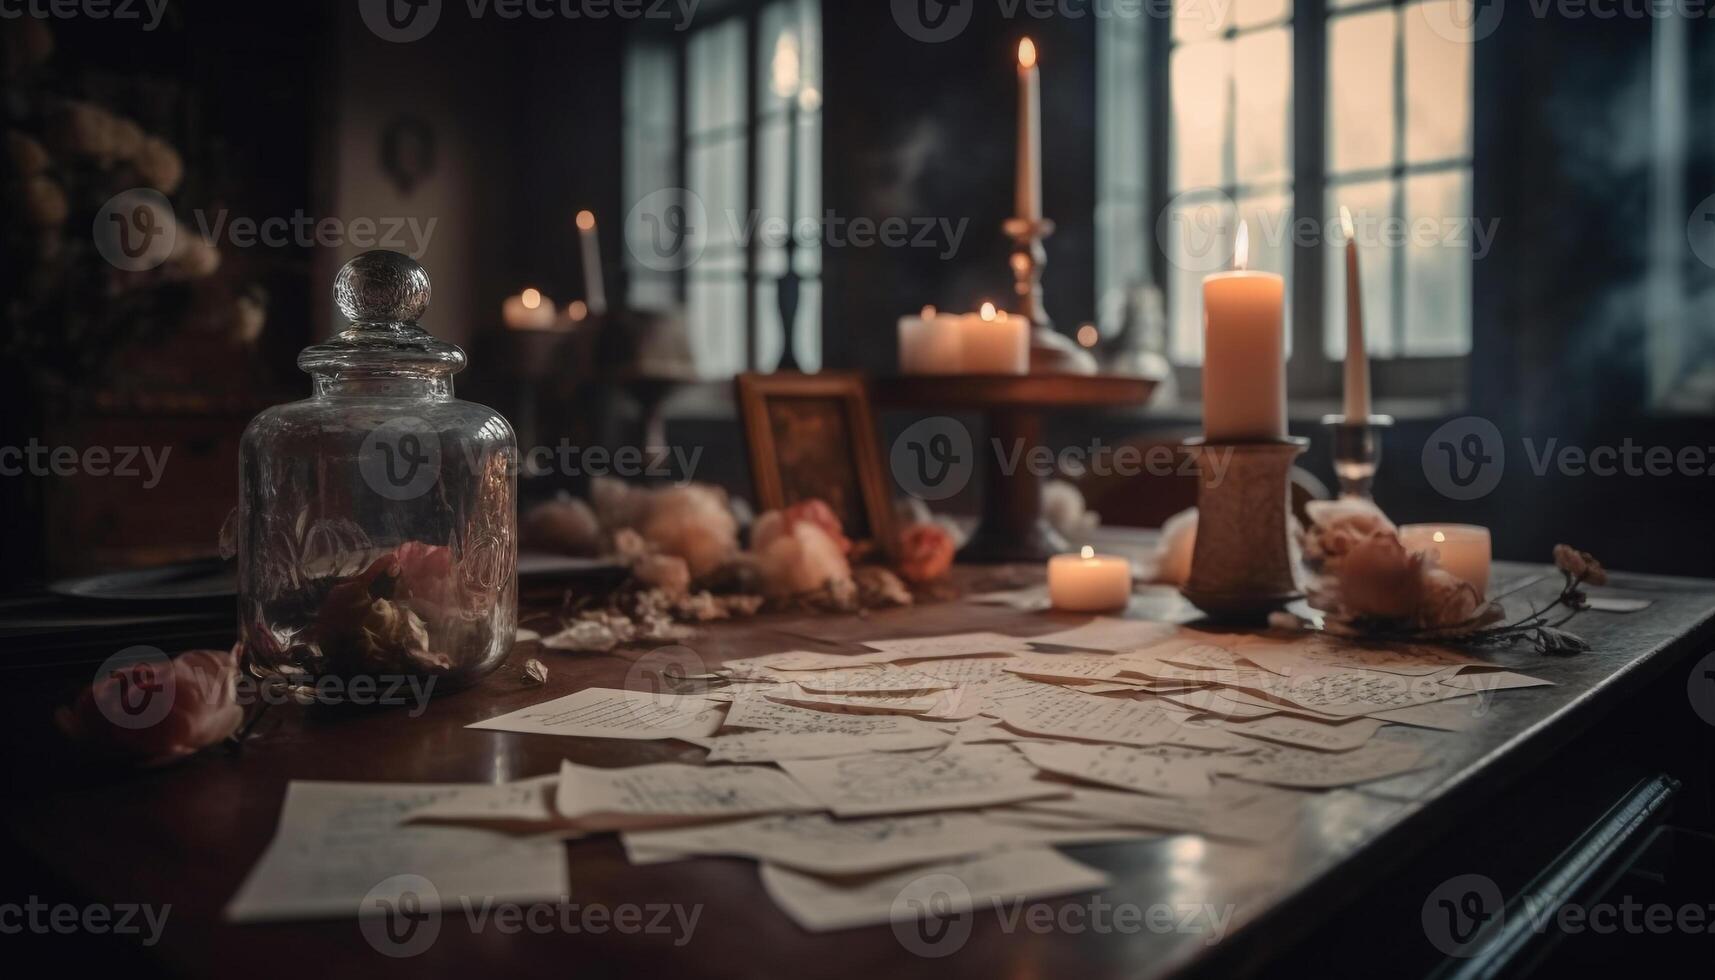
<point>529,310</point>
<point>1464,549</point>
<point>1088,582</point>
<point>994,342</point>
<point>929,343</point>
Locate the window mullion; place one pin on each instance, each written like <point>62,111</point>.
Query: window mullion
<point>1309,370</point>
<point>753,179</point>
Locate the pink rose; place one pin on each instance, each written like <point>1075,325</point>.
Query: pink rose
<point>426,580</point>
<point>154,710</point>
<point>816,511</point>
<point>925,553</point>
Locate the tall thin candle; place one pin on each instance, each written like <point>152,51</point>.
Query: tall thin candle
<point>1028,196</point>
<point>1357,402</point>
<point>595,291</point>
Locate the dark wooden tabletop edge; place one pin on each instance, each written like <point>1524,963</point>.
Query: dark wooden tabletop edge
<point>1296,912</point>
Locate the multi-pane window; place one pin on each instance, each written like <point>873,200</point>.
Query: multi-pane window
<point>1391,141</point>
<point>727,146</point>
<point>1399,157</point>
<point>1230,86</point>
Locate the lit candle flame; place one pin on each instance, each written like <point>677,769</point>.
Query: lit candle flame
<point>1346,226</point>
<point>1242,246</point>
<point>929,313</point>
<point>1086,552</point>
<point>988,311</point>
<point>1088,335</point>
<point>532,299</point>
<point>1027,54</point>
<point>586,220</point>
<point>1440,537</point>
<point>786,73</point>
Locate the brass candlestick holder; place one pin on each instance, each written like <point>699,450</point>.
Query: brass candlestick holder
<point>1357,446</point>
<point>1051,352</point>
<point>1243,567</point>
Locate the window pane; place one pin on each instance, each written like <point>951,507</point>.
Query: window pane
<point>1269,217</point>
<point>1361,91</point>
<point>1198,242</point>
<point>717,176</point>
<point>802,20</point>
<point>1371,204</point>
<point>1248,13</point>
<point>1262,134</point>
<point>1438,264</point>
<point>1202,75</point>
<point>1437,89</point>
<point>716,325</point>
<point>1199,21</point>
<point>809,334</point>
<point>716,66</point>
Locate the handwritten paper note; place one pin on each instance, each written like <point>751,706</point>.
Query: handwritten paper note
<point>1086,717</point>
<point>962,776</point>
<point>603,713</point>
<point>1307,733</point>
<point>821,844</point>
<point>1169,772</point>
<point>820,904</point>
<point>956,645</point>
<point>338,841</point>
<point>668,793</point>
<point>764,746</point>
<point>1111,635</point>
<point>1282,765</point>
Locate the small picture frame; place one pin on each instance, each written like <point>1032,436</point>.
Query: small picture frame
<point>813,436</point>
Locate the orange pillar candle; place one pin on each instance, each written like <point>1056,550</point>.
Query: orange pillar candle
<point>1244,352</point>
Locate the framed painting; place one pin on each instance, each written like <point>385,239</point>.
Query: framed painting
<point>813,436</point>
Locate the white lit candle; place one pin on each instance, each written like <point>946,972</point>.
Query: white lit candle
<point>1028,194</point>
<point>589,245</point>
<point>1244,352</point>
<point>1357,405</point>
<point>929,343</point>
<point>529,310</point>
<point>994,342</point>
<point>1088,582</point>
<point>1464,550</point>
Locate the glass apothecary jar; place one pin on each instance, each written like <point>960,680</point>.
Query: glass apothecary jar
<point>377,521</point>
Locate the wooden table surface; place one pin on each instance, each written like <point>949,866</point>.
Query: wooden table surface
<point>188,834</point>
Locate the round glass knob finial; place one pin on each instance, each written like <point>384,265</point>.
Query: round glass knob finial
<point>382,287</point>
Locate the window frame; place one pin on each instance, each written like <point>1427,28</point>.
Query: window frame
<point>1310,372</point>
<point>750,129</point>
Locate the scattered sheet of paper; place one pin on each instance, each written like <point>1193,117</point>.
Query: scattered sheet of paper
<point>1282,765</point>
<point>819,904</point>
<point>338,841</point>
<point>961,776</point>
<point>1497,680</point>
<point>599,712</point>
<point>1307,733</point>
<point>524,801</point>
<point>956,645</point>
<point>1111,635</point>
<point>668,793</point>
<point>765,746</point>
<point>1165,772</point>
<point>820,844</point>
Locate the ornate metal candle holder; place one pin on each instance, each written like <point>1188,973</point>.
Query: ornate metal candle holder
<point>1357,451</point>
<point>1051,352</point>
<point>1242,567</point>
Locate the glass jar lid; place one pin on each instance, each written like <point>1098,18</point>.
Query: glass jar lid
<point>383,294</point>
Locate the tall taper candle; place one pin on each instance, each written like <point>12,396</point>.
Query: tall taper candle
<point>1028,197</point>
<point>1357,402</point>
<point>595,291</point>
<point>1244,352</point>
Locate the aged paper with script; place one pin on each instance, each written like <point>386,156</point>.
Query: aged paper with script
<point>819,904</point>
<point>961,776</point>
<point>599,712</point>
<point>337,840</point>
<point>669,793</point>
